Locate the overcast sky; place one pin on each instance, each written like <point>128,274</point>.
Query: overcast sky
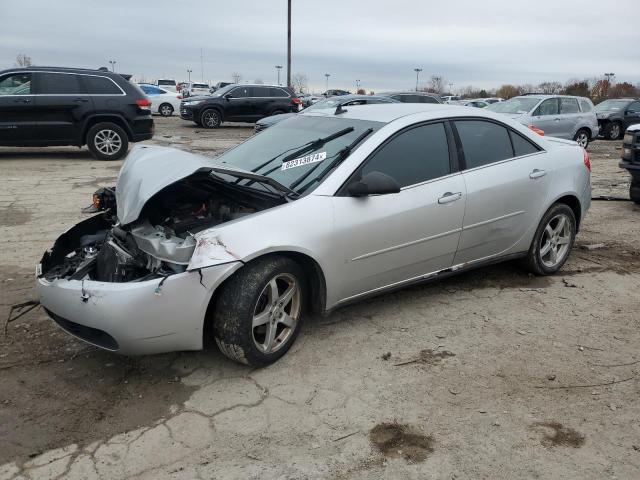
<point>468,42</point>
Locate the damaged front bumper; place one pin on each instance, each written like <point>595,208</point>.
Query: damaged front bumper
<point>135,318</point>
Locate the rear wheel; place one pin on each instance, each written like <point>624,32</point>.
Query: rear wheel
<point>211,118</point>
<point>166,110</point>
<point>612,131</point>
<point>258,313</point>
<point>553,241</point>
<point>107,141</point>
<point>582,138</point>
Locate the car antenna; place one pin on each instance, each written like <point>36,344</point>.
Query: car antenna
<point>340,110</point>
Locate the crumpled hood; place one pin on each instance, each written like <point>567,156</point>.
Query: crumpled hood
<point>149,169</point>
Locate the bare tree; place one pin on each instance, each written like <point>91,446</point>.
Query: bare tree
<point>508,91</point>
<point>236,77</point>
<point>258,81</point>
<point>23,60</point>
<point>436,84</point>
<point>550,88</point>
<point>300,82</point>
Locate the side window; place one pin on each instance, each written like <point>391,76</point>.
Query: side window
<point>16,84</point>
<point>483,142</point>
<point>569,105</point>
<point>427,99</point>
<point>100,85</point>
<point>260,92</point>
<point>413,156</point>
<point>522,146</point>
<point>634,107</point>
<point>277,92</point>
<point>548,107</point>
<point>59,84</point>
<point>242,92</point>
<point>585,106</point>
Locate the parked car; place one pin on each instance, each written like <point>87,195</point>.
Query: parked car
<point>163,101</point>
<point>414,97</point>
<point>335,93</point>
<point>492,100</point>
<point>167,84</point>
<point>477,103</point>
<point>328,103</point>
<point>312,214</point>
<point>195,89</point>
<point>562,116</point>
<point>239,103</point>
<point>450,98</point>
<point>616,115</point>
<point>181,85</point>
<point>218,86</point>
<point>50,106</point>
<point>631,160</point>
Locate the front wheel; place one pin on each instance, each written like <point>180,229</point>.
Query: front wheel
<point>210,118</point>
<point>553,241</point>
<point>612,131</point>
<point>258,313</point>
<point>166,110</point>
<point>582,138</point>
<point>107,141</point>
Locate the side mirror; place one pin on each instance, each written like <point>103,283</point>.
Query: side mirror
<point>228,96</point>
<point>373,183</point>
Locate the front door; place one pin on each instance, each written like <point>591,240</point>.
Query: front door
<point>386,240</point>
<point>18,116</point>
<point>62,106</point>
<point>239,105</point>
<point>547,117</point>
<point>507,179</point>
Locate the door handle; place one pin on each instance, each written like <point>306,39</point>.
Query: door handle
<point>537,173</point>
<point>449,197</point>
<point>79,100</point>
<point>22,100</point>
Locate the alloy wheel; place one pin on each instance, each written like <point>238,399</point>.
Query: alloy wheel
<point>210,119</point>
<point>555,241</point>
<point>276,313</point>
<point>166,110</point>
<point>582,139</point>
<point>614,132</point>
<point>108,142</point>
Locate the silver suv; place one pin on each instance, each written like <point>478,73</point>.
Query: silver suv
<point>562,116</point>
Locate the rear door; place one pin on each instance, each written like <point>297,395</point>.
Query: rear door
<point>507,181</point>
<point>547,117</point>
<point>63,105</point>
<point>388,239</point>
<point>18,114</point>
<point>570,117</point>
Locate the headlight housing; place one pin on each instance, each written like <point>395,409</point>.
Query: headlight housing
<point>193,102</point>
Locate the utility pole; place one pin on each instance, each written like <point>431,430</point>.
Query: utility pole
<point>278,68</point>
<point>189,73</point>
<point>357,85</point>
<point>113,65</point>
<point>327,75</point>
<point>451,88</point>
<point>289,43</point>
<point>417,70</point>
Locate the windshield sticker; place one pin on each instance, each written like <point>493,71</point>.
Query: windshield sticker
<point>306,160</point>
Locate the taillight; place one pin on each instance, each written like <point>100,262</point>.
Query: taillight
<point>537,130</point>
<point>296,100</point>
<point>179,97</point>
<point>585,159</point>
<point>143,103</point>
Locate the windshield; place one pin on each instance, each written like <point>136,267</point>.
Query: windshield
<point>200,85</point>
<point>223,90</point>
<point>287,137</point>
<point>515,105</point>
<point>609,105</point>
<point>167,82</point>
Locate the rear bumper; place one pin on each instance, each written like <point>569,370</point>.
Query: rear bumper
<point>135,318</point>
<point>142,128</point>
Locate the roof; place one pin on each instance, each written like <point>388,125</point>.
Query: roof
<point>388,112</point>
<point>428,94</point>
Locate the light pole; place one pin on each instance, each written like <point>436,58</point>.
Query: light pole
<point>451,88</point>
<point>357,85</point>
<point>327,75</point>
<point>609,75</point>
<point>417,70</point>
<point>189,74</point>
<point>113,65</point>
<point>278,68</point>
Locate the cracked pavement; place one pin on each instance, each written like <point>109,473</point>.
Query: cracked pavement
<point>69,411</point>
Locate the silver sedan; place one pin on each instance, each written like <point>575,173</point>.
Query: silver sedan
<point>321,210</point>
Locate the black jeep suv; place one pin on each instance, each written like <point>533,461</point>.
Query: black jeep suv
<point>50,106</point>
<point>239,103</point>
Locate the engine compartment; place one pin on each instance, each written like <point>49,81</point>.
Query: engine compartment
<point>161,241</point>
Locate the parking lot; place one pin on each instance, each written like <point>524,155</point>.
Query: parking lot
<point>491,374</point>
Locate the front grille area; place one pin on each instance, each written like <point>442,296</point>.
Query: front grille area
<point>88,334</point>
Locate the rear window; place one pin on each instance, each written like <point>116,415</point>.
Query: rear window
<point>585,105</point>
<point>427,99</point>
<point>278,92</point>
<point>569,105</point>
<point>101,85</point>
<point>522,146</point>
<point>483,142</point>
<point>59,84</point>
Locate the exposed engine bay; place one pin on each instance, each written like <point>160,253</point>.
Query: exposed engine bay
<point>160,242</point>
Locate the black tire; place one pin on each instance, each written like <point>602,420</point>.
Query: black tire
<point>97,144</point>
<point>613,131</point>
<point>210,118</point>
<point>634,193</point>
<point>582,138</point>
<point>165,109</point>
<point>248,292</point>
<point>534,260</point>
